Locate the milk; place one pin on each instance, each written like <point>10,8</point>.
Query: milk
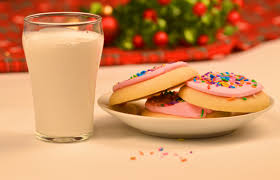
<point>63,65</point>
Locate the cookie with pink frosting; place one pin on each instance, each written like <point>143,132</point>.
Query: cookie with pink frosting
<point>169,104</point>
<point>226,91</point>
<point>151,81</point>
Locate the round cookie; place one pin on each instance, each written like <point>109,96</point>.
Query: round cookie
<point>151,82</point>
<point>169,104</point>
<point>225,92</point>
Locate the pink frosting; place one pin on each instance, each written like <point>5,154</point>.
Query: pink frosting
<point>246,89</point>
<point>182,109</point>
<point>149,74</point>
<point>243,91</point>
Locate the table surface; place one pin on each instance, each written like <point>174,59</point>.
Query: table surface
<point>251,152</point>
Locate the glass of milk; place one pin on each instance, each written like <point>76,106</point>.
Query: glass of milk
<point>63,52</point>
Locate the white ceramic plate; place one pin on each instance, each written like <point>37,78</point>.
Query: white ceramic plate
<point>175,127</point>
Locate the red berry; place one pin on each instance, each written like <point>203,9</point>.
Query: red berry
<point>233,17</point>
<point>219,6</point>
<point>161,38</point>
<point>150,14</point>
<point>138,41</point>
<point>199,9</point>
<point>202,39</point>
<point>164,2</point>
<point>240,3</point>
<point>110,27</point>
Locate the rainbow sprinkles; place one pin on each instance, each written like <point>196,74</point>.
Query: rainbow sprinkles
<point>225,84</point>
<point>147,71</point>
<point>148,74</point>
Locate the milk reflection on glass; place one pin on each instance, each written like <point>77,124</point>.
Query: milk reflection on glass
<point>63,63</point>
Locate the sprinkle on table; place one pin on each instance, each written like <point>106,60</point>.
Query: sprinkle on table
<point>163,154</point>
<point>181,139</point>
<point>183,159</point>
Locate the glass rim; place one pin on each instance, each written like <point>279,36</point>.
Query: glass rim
<point>28,18</point>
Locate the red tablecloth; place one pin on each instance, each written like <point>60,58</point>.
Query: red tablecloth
<point>261,22</point>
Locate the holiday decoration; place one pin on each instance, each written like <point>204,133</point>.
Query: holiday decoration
<point>95,8</point>
<point>220,34</point>
<point>138,41</point>
<point>161,39</point>
<point>259,21</point>
<point>150,14</point>
<point>203,39</point>
<point>233,17</point>
<point>162,23</point>
<point>199,9</point>
<point>164,2</point>
<point>110,28</point>
<point>240,3</point>
<point>107,10</point>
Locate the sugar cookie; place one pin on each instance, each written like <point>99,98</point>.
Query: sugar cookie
<point>225,92</point>
<point>152,81</point>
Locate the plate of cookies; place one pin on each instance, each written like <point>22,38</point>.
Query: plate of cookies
<point>175,101</point>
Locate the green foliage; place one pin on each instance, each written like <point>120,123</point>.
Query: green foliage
<point>95,8</point>
<point>176,19</point>
<point>190,35</point>
<point>229,30</point>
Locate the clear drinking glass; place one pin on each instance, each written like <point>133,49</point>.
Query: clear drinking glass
<point>63,52</point>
